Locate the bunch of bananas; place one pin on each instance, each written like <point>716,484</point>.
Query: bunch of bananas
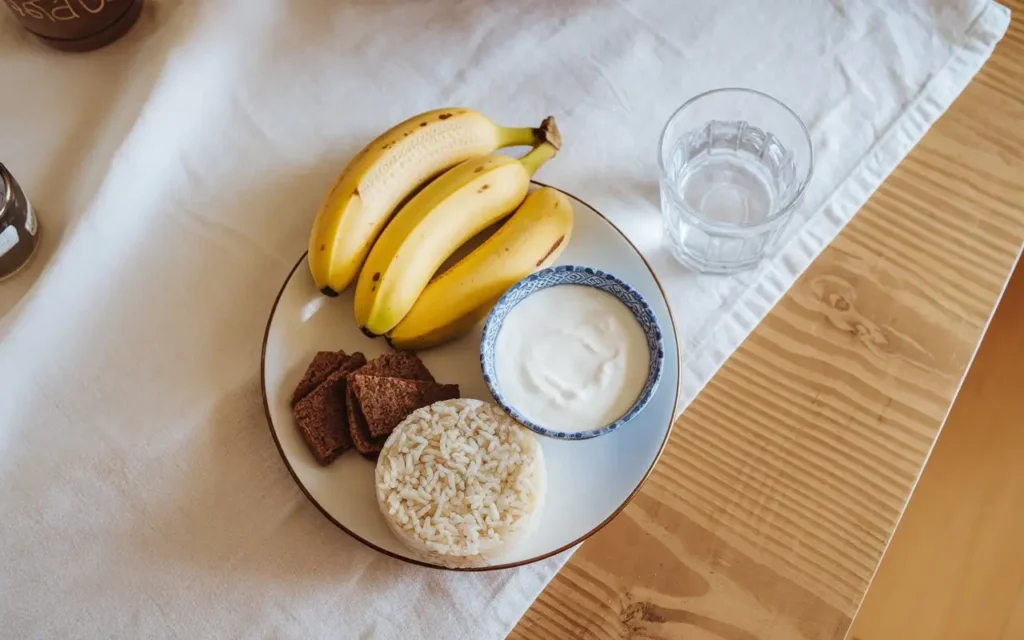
<point>416,194</point>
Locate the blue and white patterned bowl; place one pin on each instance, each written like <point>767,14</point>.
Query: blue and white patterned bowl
<point>586,276</point>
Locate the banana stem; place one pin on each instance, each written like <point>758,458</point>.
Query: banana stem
<point>548,132</point>
<point>532,136</point>
<point>548,142</point>
<point>518,136</point>
<point>538,156</point>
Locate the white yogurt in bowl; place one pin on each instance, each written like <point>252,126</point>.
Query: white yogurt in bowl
<point>571,357</point>
<point>571,352</point>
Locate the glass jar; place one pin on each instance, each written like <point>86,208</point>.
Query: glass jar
<point>19,227</point>
<point>76,25</point>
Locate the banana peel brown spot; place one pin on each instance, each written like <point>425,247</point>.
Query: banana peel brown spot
<point>555,246</point>
<point>483,188</point>
<point>323,247</point>
<point>423,124</point>
<point>478,170</point>
<point>376,276</point>
<point>444,116</point>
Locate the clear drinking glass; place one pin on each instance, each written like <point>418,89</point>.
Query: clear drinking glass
<point>734,165</point>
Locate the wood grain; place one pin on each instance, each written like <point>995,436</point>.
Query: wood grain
<point>955,568</point>
<point>783,482</point>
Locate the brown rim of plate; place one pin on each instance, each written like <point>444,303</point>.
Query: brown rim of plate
<point>497,567</point>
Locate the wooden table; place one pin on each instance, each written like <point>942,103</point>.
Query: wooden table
<point>783,482</point>
<point>955,568</point>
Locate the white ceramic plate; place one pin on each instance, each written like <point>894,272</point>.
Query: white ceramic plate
<point>589,481</point>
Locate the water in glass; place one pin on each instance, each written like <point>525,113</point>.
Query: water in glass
<point>734,165</point>
<point>723,182</point>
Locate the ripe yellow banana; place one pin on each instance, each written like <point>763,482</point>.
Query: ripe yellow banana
<point>384,174</point>
<point>437,221</point>
<point>455,301</point>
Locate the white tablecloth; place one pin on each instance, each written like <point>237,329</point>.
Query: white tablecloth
<point>176,174</point>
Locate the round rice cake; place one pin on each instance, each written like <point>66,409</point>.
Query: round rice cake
<point>461,483</point>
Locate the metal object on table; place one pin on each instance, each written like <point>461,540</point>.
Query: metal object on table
<point>19,227</point>
<point>734,166</point>
<point>77,25</point>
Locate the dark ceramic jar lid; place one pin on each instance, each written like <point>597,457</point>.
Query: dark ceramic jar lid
<point>77,25</point>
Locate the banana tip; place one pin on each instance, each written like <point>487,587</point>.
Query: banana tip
<point>399,347</point>
<point>368,333</point>
<point>329,292</point>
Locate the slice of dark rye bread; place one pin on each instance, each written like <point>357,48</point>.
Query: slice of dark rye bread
<point>321,416</point>
<point>385,402</point>
<point>402,365</point>
<point>324,363</point>
<point>399,364</point>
